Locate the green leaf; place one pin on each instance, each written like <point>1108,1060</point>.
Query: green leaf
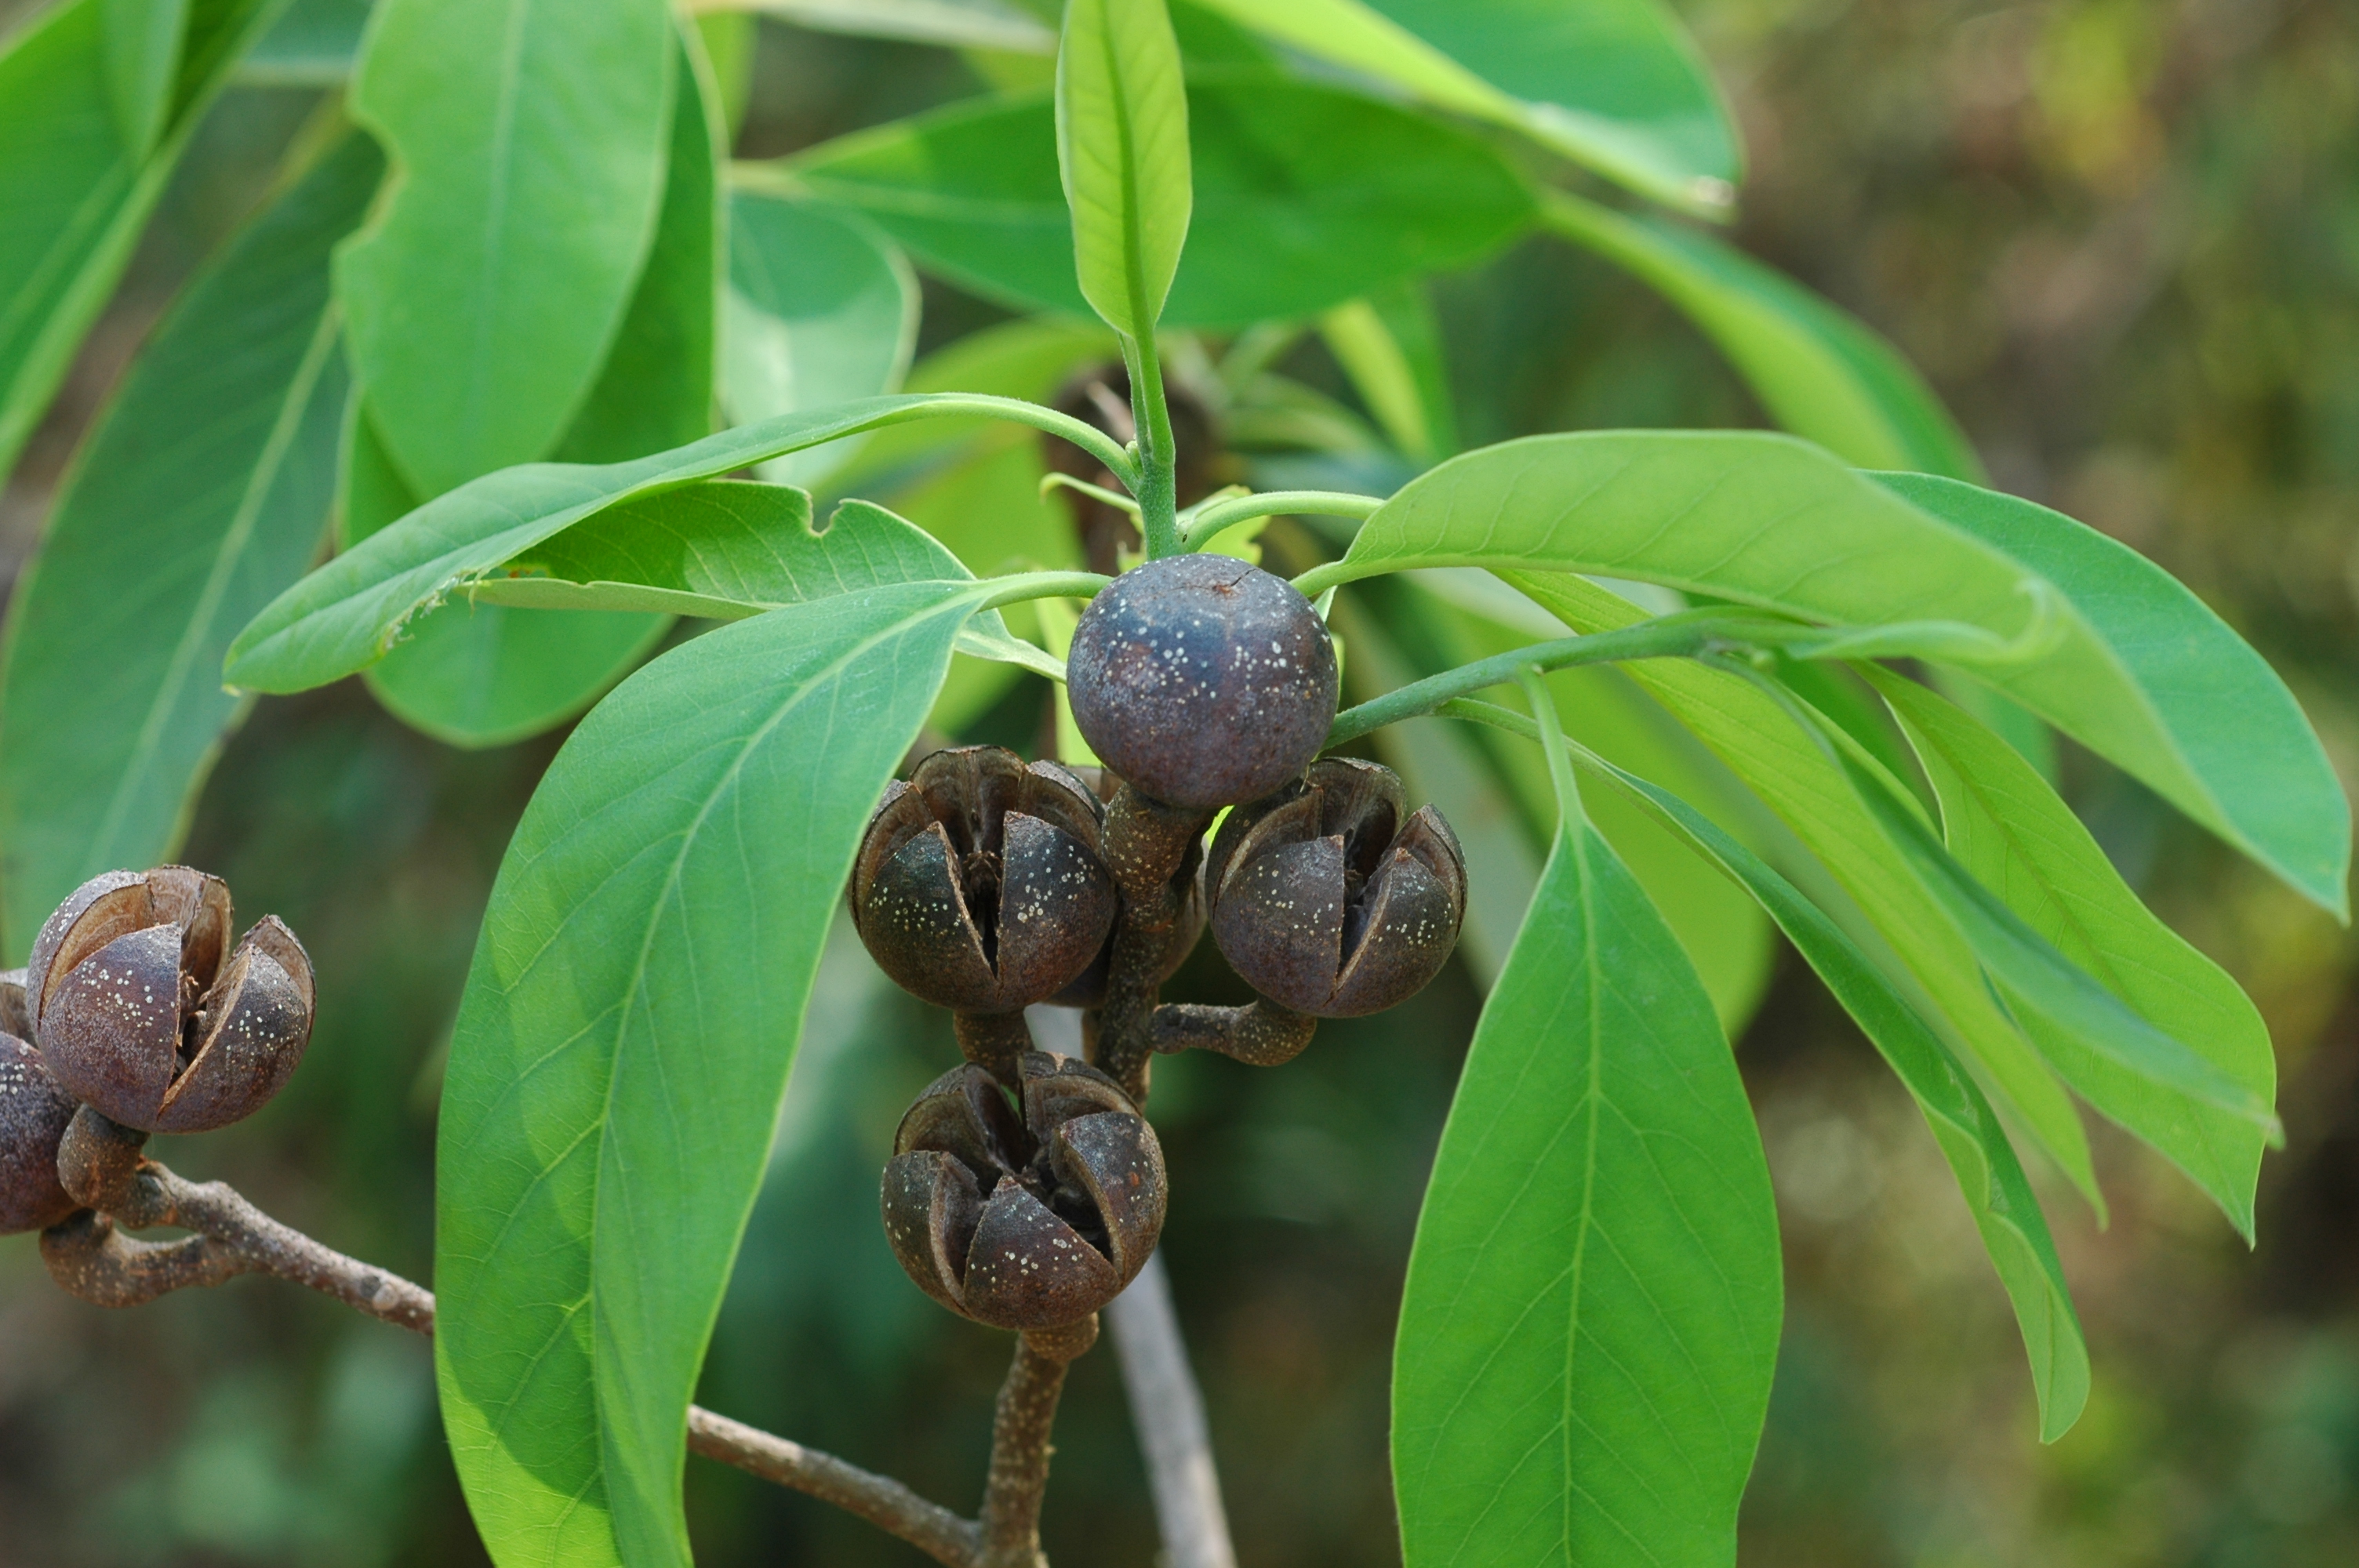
<point>202,491</point>
<point>1614,84</point>
<point>821,309</point>
<point>1590,1321</point>
<point>346,615</point>
<point>623,1047</point>
<point>529,145</point>
<point>477,676</point>
<point>1900,923</point>
<point>1991,1179</point>
<point>727,549</point>
<point>749,547</point>
<point>143,58</point>
<point>1122,149</point>
<point>658,385</point>
<point>1306,197</point>
<point>2007,827</point>
<point>2136,668</point>
<point>1822,374</point>
<point>73,194</point>
<point>2183,702</point>
<point>2057,999</point>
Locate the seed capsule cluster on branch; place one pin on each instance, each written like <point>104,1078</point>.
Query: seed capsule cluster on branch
<point>1025,1190</point>
<point>137,1005</point>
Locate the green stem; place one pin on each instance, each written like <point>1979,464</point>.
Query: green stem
<point>1681,634</point>
<point>1044,585</point>
<point>1158,473</point>
<point>1199,531</point>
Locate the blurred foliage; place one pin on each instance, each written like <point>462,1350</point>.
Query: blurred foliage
<point>2122,236</point>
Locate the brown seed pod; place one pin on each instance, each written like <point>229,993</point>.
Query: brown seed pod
<point>34,1111</point>
<point>1326,902</point>
<point>979,885</point>
<point>145,1011</point>
<point>1024,1219</point>
<point>1202,680</point>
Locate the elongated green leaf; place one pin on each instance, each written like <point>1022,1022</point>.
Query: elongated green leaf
<point>529,141</point>
<point>821,309</point>
<point>1819,372</point>
<point>1930,958</point>
<point>1590,1317</point>
<point>346,615</point>
<point>1615,84</point>
<point>1121,150</point>
<point>2134,667</point>
<point>203,492</point>
<point>752,545</point>
<point>1306,197</point>
<point>74,194</point>
<point>2060,1001</point>
<point>623,1047</point>
<point>1746,515</point>
<point>2007,827</point>
<point>727,550</point>
<point>2193,710</point>
<point>2007,1211</point>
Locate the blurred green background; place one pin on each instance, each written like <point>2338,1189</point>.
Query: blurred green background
<point>2121,236</point>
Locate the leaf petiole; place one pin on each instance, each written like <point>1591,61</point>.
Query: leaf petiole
<point>1025,586</point>
<point>1113,498</point>
<point>1549,730</point>
<point>1207,522</point>
<point>1684,634</point>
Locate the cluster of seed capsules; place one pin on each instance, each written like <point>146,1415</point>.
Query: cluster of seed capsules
<point>1025,1190</point>
<point>137,1005</point>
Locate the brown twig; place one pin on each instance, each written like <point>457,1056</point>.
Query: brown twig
<point>90,1258</point>
<point>1020,1447</point>
<point>880,1500</point>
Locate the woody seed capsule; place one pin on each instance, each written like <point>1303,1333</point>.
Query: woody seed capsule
<point>1325,902</point>
<point>144,1012</point>
<point>1025,1214</point>
<point>978,886</point>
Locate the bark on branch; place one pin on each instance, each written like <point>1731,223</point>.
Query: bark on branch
<point>91,1259</point>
